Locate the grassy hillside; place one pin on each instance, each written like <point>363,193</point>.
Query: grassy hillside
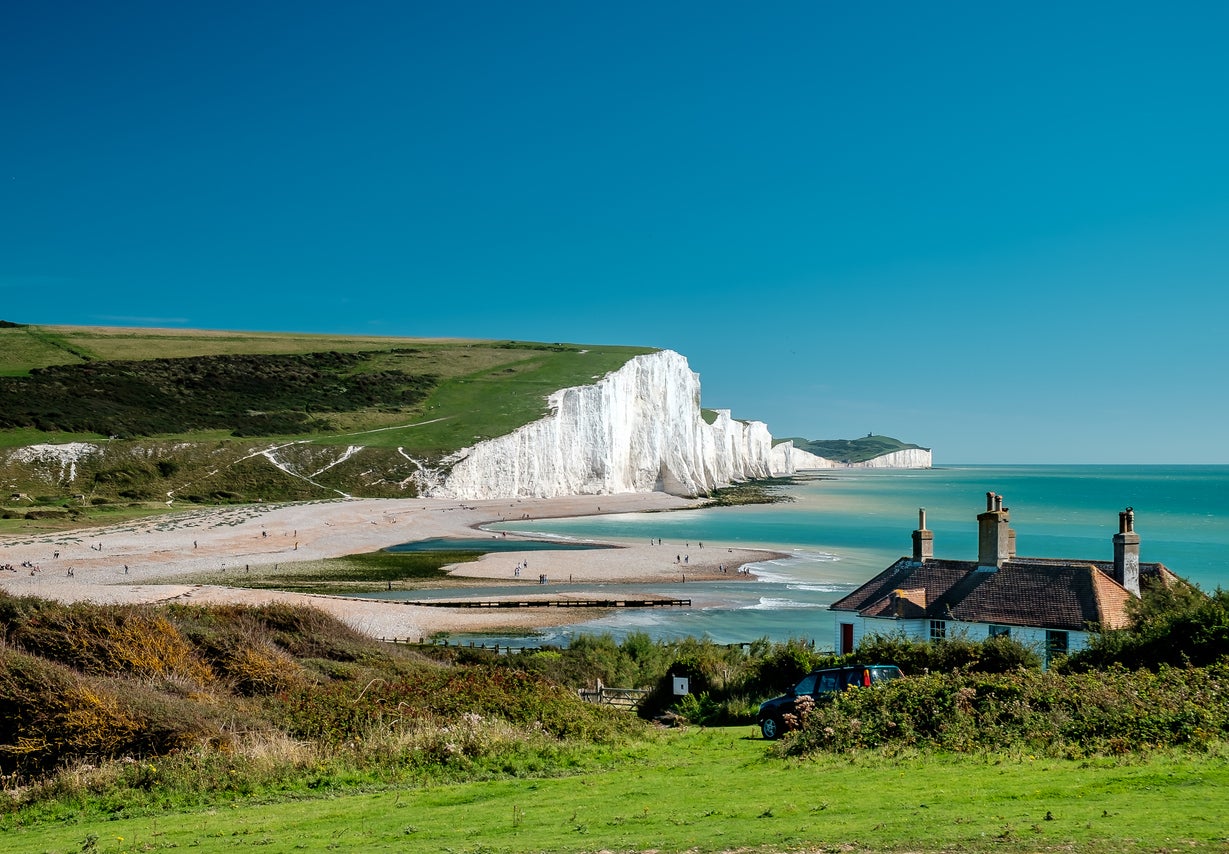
<point>186,414</point>
<point>138,728</point>
<point>851,450</point>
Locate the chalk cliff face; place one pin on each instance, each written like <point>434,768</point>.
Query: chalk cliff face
<point>786,459</point>
<point>638,429</point>
<point>911,458</point>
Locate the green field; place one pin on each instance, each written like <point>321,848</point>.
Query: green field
<point>709,790</point>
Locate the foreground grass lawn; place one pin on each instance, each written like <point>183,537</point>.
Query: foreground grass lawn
<point>717,790</point>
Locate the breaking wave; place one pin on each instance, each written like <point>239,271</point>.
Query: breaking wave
<point>772,603</point>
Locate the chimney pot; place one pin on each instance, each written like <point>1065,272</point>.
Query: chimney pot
<point>1126,552</point>
<point>995,541</point>
<point>923,540</point>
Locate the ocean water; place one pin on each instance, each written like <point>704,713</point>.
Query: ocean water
<point>845,526</point>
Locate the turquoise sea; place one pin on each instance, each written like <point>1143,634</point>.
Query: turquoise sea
<point>845,526</point>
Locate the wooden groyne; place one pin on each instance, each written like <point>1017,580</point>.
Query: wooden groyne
<point>558,603</point>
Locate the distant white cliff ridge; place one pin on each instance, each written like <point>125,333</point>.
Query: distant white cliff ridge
<point>638,429</point>
<point>788,459</point>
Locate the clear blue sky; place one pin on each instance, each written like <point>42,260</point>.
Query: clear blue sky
<point>999,230</point>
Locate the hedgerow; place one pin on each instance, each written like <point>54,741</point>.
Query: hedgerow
<point>1105,712</point>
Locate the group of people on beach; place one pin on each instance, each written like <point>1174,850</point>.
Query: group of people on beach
<point>25,564</point>
<point>516,573</point>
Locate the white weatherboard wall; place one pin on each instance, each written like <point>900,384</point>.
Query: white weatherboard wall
<point>638,429</point>
<point>919,630</point>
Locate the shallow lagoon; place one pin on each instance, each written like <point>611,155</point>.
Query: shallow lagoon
<point>843,527</point>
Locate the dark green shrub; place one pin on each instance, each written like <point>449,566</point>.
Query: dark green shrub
<point>993,655</point>
<point>1047,713</point>
<point>1176,626</point>
<point>774,668</point>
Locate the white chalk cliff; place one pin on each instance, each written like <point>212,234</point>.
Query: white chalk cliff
<point>786,459</point>
<point>637,429</point>
<point>909,458</point>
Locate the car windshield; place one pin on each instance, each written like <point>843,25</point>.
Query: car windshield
<point>807,685</point>
<point>883,674</point>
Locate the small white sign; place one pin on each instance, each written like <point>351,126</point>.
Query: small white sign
<point>680,686</point>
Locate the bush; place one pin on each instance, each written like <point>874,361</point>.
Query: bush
<point>52,713</point>
<point>994,655</point>
<point>102,639</point>
<point>342,712</point>
<point>1041,712</point>
<point>1175,626</point>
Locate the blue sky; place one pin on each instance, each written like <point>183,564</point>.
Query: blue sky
<point>998,230</point>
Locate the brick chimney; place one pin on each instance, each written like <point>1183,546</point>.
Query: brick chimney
<point>996,541</point>
<point>1126,552</point>
<point>923,540</point>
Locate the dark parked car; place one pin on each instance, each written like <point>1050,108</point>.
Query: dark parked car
<point>819,685</point>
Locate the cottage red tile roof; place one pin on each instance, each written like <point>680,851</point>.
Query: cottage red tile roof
<point>1069,595</point>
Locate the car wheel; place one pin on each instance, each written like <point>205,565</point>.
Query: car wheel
<point>771,728</point>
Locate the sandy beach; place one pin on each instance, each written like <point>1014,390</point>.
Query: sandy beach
<point>154,560</point>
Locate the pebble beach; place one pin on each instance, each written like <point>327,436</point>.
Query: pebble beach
<point>156,559</point>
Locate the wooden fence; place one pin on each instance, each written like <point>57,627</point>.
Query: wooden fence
<point>621,698</point>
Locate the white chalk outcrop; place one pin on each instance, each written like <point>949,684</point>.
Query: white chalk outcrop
<point>909,458</point>
<point>56,462</point>
<point>786,459</point>
<point>638,429</point>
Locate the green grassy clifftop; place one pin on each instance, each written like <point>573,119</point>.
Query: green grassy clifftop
<point>192,415</point>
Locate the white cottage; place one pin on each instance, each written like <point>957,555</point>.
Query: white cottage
<point>1050,604</point>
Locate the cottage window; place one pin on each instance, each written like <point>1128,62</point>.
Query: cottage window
<point>1056,645</point>
<point>938,630</point>
<point>1000,631</point>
